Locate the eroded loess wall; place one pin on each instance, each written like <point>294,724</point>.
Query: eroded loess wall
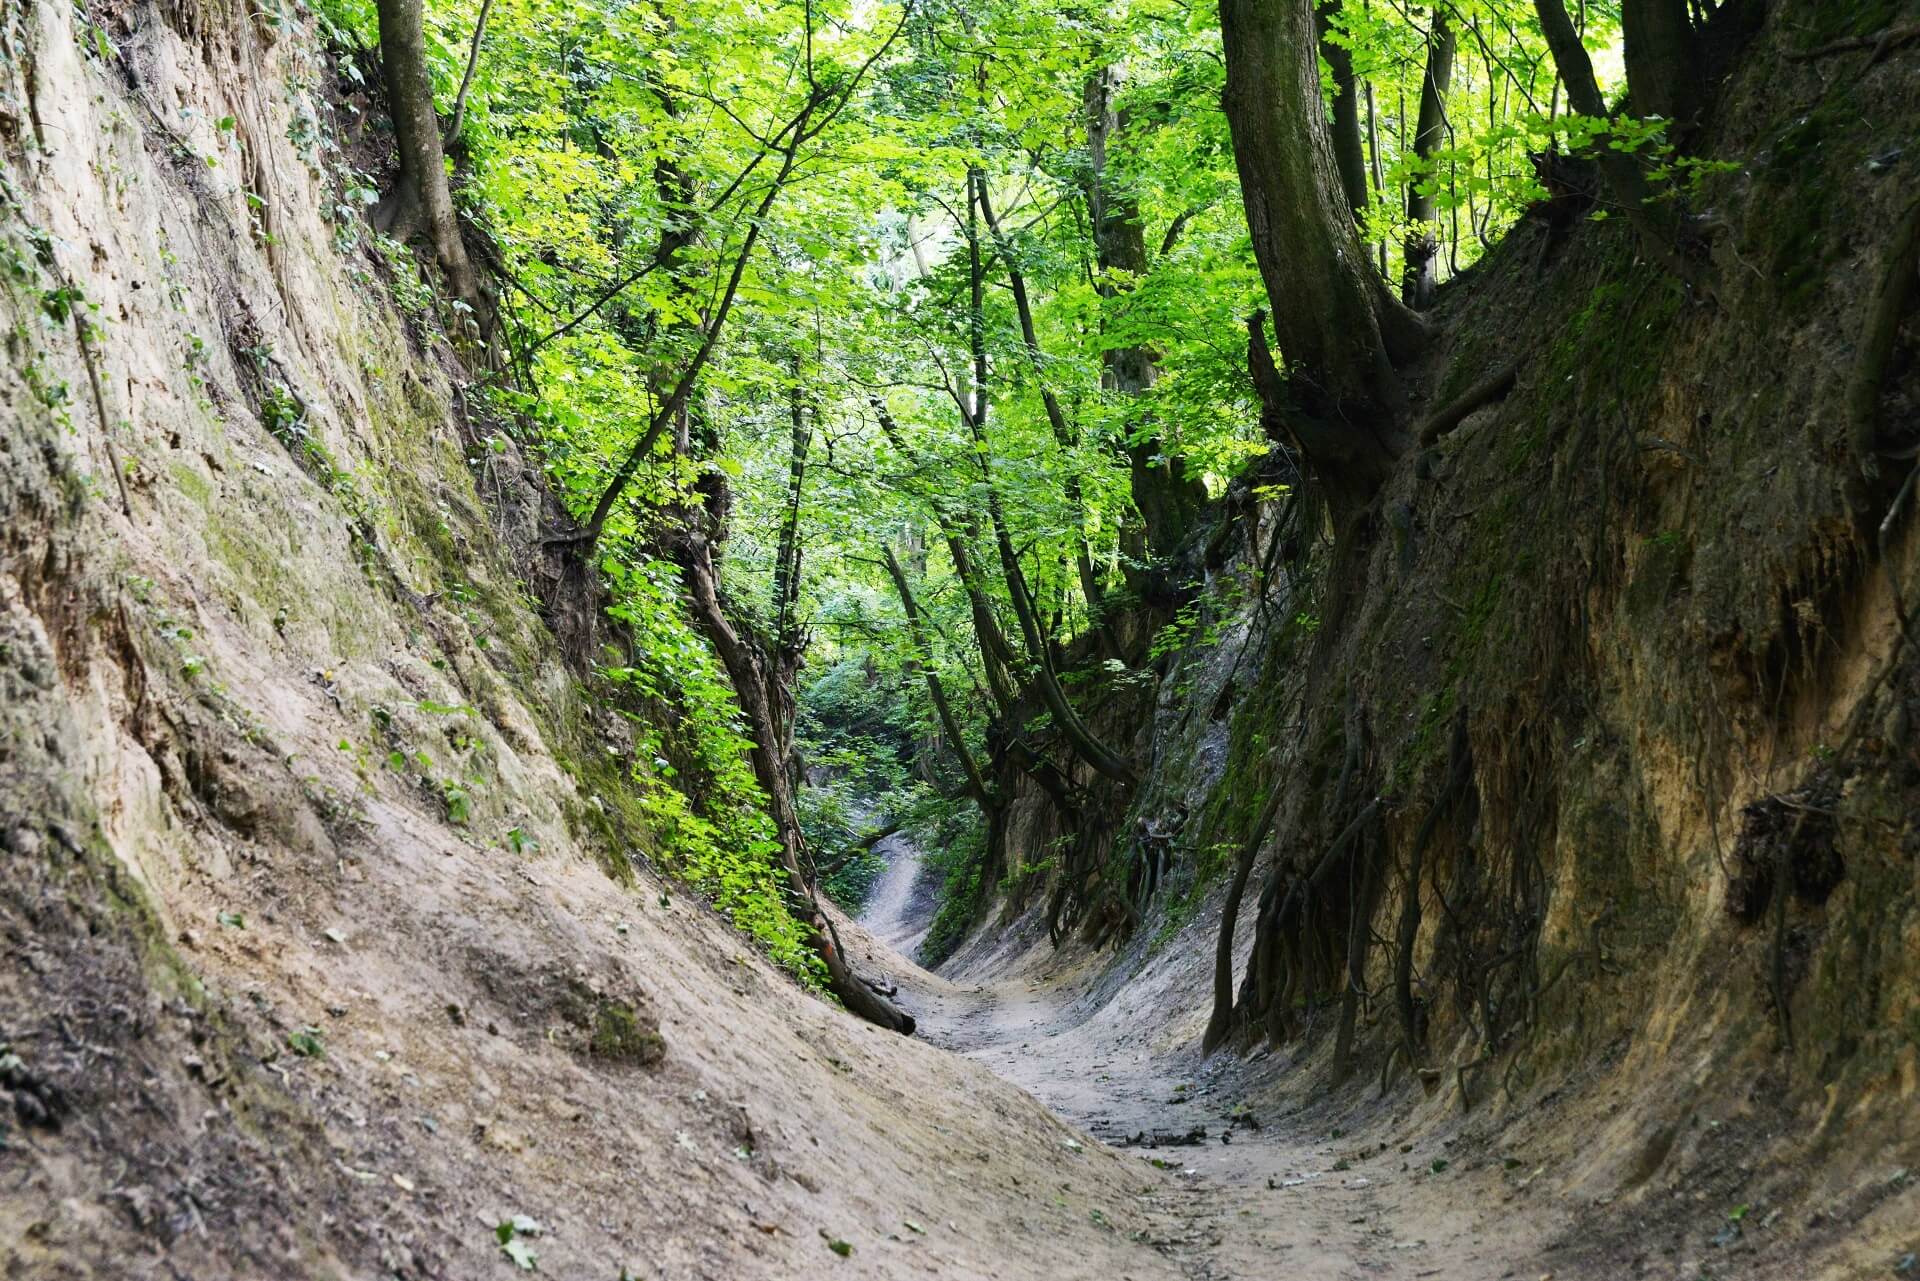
<point>327,936</point>
<point>1600,735</point>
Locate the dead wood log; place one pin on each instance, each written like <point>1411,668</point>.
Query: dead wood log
<point>1166,1138</point>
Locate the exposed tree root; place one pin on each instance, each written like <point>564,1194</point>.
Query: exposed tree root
<point>1489,389</point>
<point>1222,1020</point>
<point>92,363</point>
<point>1359,936</point>
<point>1459,780</point>
<point>1880,43</point>
<point>1878,336</point>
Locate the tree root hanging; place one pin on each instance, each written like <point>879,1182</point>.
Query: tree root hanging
<point>1458,783</point>
<point>1300,949</point>
<point>1359,937</point>
<point>1222,1019</point>
<point>1885,310</point>
<point>92,363</point>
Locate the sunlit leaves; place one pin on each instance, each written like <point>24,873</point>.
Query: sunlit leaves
<point>616,154</point>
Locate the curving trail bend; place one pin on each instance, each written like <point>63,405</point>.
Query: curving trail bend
<point>1296,1197</point>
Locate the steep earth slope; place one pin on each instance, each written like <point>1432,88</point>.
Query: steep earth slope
<point>1594,740</point>
<point>328,945</point>
<point>330,942</point>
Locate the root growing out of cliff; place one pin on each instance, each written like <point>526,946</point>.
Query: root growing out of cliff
<point>1785,842</point>
<point>1314,924</point>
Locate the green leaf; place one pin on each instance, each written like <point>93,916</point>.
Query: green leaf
<point>306,1043</point>
<point>839,1247</point>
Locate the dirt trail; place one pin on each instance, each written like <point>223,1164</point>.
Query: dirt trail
<point>1261,1195</point>
<point>902,903</point>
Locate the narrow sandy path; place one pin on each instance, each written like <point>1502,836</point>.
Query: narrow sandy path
<point>1260,1195</point>
<point>901,905</point>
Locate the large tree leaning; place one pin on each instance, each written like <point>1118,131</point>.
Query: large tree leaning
<point>756,676</point>
<point>421,199</point>
<point>1340,329</point>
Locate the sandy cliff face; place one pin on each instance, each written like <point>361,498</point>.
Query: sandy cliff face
<point>319,960</point>
<point>329,943</point>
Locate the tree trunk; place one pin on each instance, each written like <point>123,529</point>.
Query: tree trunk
<point>923,659</point>
<point>1038,653</point>
<point>1373,167</point>
<point>1065,434</point>
<point>1167,499</point>
<point>1339,326</point>
<point>862,846</point>
<point>996,655</point>
<point>1417,278</point>
<point>420,199</point>
<point>1626,183</point>
<point>683,386</point>
<point>1351,460</point>
<point>452,136</point>
<point>1066,719</point>
<point>788,643</point>
<point>992,804</point>
<point>786,569</point>
<point>1348,152</point>
<point>815,114</point>
<point>1663,60</point>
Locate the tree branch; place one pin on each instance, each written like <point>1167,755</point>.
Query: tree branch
<point>466,80</point>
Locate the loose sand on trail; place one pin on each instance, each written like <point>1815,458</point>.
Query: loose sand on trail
<point>1263,1196</point>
